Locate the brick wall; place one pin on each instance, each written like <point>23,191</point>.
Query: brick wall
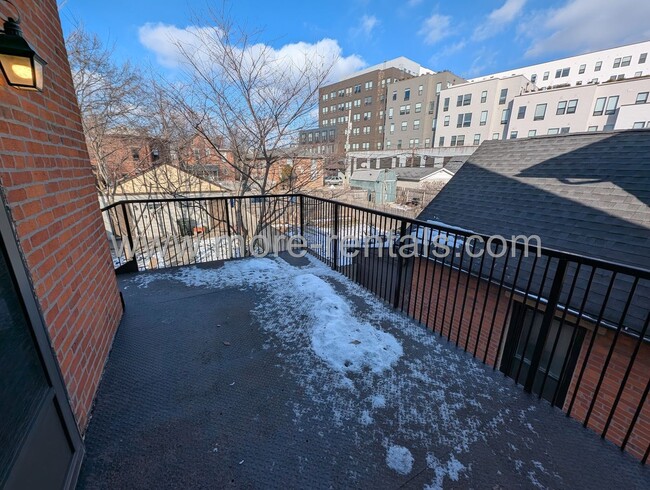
<point>630,396</point>
<point>437,301</point>
<point>46,178</point>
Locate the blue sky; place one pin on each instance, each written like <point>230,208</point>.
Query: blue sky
<point>470,38</point>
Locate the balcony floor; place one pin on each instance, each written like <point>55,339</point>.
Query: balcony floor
<point>214,381</point>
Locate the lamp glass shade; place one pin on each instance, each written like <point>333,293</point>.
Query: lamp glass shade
<point>21,66</point>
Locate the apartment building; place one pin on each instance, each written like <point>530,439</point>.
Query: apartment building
<point>411,110</point>
<point>473,112</point>
<point>616,63</point>
<point>595,107</point>
<point>356,104</point>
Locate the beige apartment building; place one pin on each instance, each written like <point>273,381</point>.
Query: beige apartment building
<point>473,112</point>
<point>357,104</point>
<point>411,110</point>
<point>594,107</point>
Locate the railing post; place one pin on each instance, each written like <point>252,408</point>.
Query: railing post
<point>129,235</point>
<point>549,313</point>
<point>302,215</point>
<point>400,266</point>
<point>335,242</point>
<point>227,208</point>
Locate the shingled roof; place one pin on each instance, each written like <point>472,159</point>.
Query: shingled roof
<point>585,193</point>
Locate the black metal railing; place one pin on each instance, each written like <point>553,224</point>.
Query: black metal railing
<point>570,329</point>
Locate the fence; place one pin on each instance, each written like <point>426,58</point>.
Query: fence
<point>570,329</point>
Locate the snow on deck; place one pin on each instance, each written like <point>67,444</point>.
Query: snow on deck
<point>414,406</point>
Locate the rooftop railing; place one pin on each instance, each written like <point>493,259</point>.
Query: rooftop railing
<point>570,329</point>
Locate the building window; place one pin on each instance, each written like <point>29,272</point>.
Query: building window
<point>638,125</point>
<point>503,96</point>
<point>565,130</point>
<point>441,141</point>
<point>446,121</point>
<point>445,106</point>
<point>416,124</point>
<point>522,112</point>
<point>532,132</point>
<point>477,139</point>
<point>439,87</point>
<point>561,108</point>
<point>356,117</point>
<point>582,69</point>
<point>404,125</point>
<point>495,136</point>
<point>545,77</point>
<point>540,112</point>
<point>643,57</point>
<point>394,94</point>
<point>617,62</point>
<point>399,144</point>
<point>533,77</point>
<point>453,141</point>
<point>484,116</point>
<point>459,101</point>
<point>598,66</point>
<point>626,61</point>
<point>554,131</point>
<point>641,98</point>
<point>367,116</point>
<point>367,100</point>
<point>600,106</point>
<point>418,107</point>
<point>427,142</point>
<point>612,104</point>
<point>366,130</point>
<point>464,120</point>
<point>390,113</point>
<point>461,140</point>
<point>513,135</point>
<point>407,94</point>
<point>562,72</point>
<point>592,129</point>
<point>392,128</point>
<point>420,89</point>
<point>572,106</point>
<point>431,105</point>
<point>505,116</point>
<point>135,154</point>
<point>467,99</point>
<point>483,96</point>
<point>369,85</point>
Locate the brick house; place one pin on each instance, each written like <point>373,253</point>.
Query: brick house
<point>61,304</point>
<point>586,194</point>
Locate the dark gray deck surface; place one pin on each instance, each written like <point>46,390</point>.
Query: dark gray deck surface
<point>178,408</point>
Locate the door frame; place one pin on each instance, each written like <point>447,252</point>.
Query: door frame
<point>25,291</point>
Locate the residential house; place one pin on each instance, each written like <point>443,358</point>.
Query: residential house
<point>585,194</point>
<point>381,185</point>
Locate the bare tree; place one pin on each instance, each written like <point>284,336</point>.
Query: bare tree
<point>110,98</point>
<point>249,102</point>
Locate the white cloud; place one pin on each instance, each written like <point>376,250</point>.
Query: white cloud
<point>435,28</point>
<point>168,42</point>
<point>498,19</point>
<point>368,23</point>
<point>587,25</point>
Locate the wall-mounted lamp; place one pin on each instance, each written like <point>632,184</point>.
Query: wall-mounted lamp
<point>20,64</point>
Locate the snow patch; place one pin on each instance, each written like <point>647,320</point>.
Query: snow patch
<point>400,459</point>
<point>340,339</point>
<point>451,469</point>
